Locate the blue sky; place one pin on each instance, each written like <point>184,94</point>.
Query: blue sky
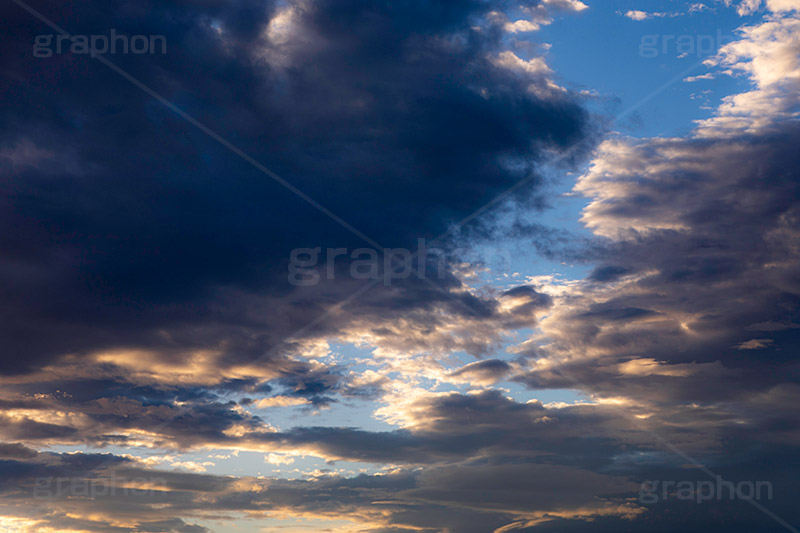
<point>646,57</point>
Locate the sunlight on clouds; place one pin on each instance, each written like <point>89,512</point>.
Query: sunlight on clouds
<point>199,367</point>
<point>281,401</point>
<point>755,344</point>
<point>627,511</point>
<point>538,15</point>
<point>635,14</point>
<point>651,367</point>
<point>569,5</point>
<point>768,53</point>
<point>783,5</point>
<point>521,26</point>
<point>406,407</point>
<point>278,459</point>
<point>280,36</point>
<point>23,525</point>
<point>605,188</point>
<point>542,85</point>
<point>193,466</point>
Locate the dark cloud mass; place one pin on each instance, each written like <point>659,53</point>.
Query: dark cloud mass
<point>710,283</point>
<point>129,220</point>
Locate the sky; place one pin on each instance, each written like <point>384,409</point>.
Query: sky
<point>399,266</point>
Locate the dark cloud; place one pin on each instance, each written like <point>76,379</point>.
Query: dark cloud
<point>490,371</point>
<point>401,499</point>
<point>16,451</point>
<point>608,273</point>
<point>705,306</point>
<point>129,222</point>
<point>491,462</point>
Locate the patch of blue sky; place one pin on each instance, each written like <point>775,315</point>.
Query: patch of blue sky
<point>521,394</point>
<point>638,80</point>
<point>224,462</point>
<point>640,72</point>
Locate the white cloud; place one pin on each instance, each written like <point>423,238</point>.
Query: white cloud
<point>755,344</point>
<point>769,54</point>
<point>511,61</point>
<point>192,466</point>
<point>707,76</point>
<point>635,14</point>
<point>783,5</point>
<point>699,7</point>
<point>570,5</point>
<point>281,401</point>
<point>521,26</point>
<point>278,459</point>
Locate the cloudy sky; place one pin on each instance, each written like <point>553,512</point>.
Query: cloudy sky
<point>399,266</point>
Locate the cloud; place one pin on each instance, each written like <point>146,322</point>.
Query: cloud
<point>569,5</point>
<point>539,14</point>
<point>507,465</point>
<point>698,246</point>
<point>156,239</point>
<point>698,8</point>
<point>767,53</point>
<point>521,26</point>
<point>401,498</point>
<point>755,344</point>
<point>635,14</point>
<point>747,7</point>
<point>278,459</point>
<point>280,401</point>
<point>483,372</point>
<point>689,315</point>
<point>638,15</point>
<point>706,76</point>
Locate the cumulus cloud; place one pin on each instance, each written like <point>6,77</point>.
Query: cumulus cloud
<point>482,372</point>
<point>693,296</point>
<point>635,14</point>
<point>539,14</point>
<point>178,273</point>
<point>639,15</point>
<point>767,53</point>
<point>405,498</point>
<point>490,462</point>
